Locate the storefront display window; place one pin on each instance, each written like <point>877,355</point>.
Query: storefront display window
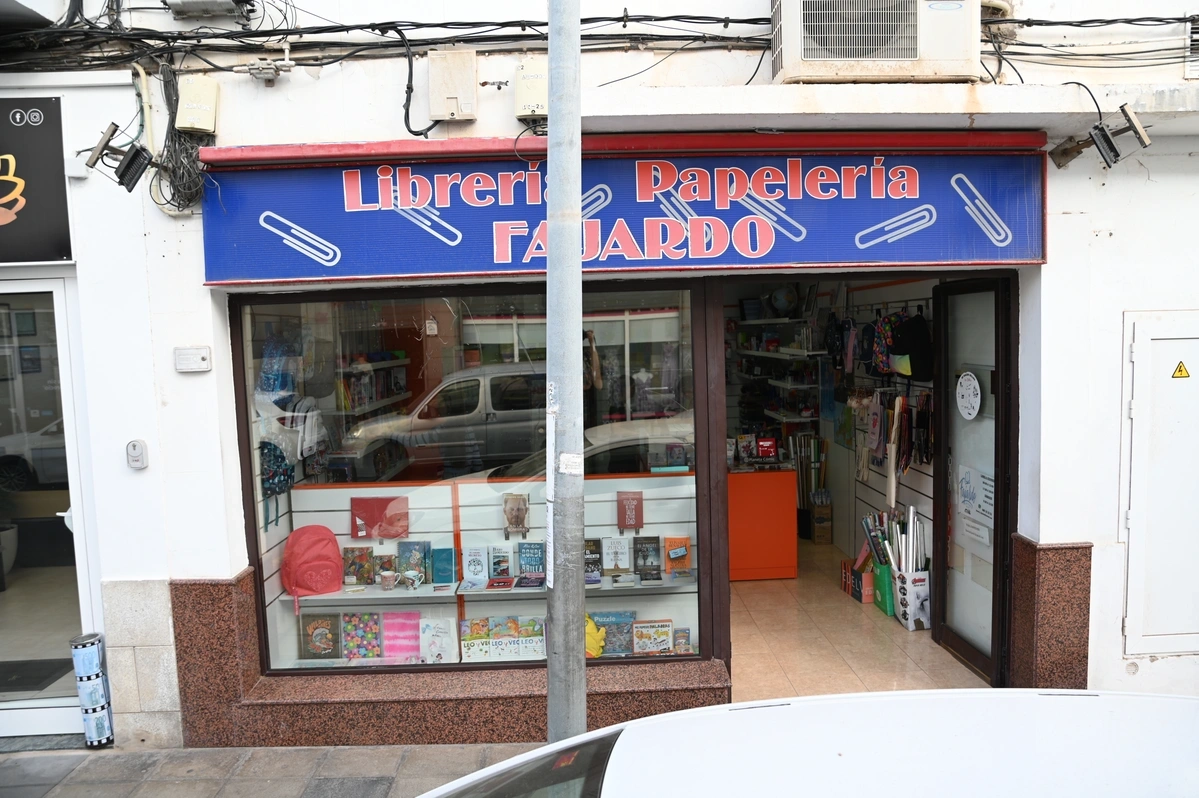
<point>398,451</point>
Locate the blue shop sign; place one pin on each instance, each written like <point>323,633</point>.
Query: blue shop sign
<point>639,213</point>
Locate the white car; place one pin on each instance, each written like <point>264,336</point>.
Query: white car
<point>33,458</point>
<point>977,743</point>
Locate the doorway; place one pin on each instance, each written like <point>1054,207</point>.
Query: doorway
<point>46,584</point>
<point>798,402</point>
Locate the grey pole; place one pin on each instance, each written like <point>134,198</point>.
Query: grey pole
<point>565,638</point>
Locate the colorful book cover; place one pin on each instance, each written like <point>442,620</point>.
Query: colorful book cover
<point>401,637</point>
<point>593,568</point>
<point>445,566</point>
<point>653,637</point>
<point>676,454</point>
<point>438,641</point>
<point>682,641</point>
<point>360,636</point>
<point>501,560</point>
<point>630,509</point>
<point>384,562</point>
<point>475,563</point>
<point>476,639</point>
<point>618,640</point>
<point>647,559</point>
<point>532,637</point>
<point>320,635</point>
<point>505,637</point>
<point>678,555</point>
<point>516,513</point>
<point>530,557</point>
<point>530,581</point>
<point>412,556</point>
<point>359,563</point>
<point>747,447</point>
<point>500,583</point>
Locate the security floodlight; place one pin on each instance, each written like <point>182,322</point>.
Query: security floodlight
<point>1103,139</point>
<point>135,159</point>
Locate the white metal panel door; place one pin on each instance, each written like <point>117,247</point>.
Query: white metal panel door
<point>1162,608</point>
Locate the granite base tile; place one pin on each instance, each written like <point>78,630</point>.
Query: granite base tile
<point>226,701</point>
<point>1051,614</point>
<point>263,788</point>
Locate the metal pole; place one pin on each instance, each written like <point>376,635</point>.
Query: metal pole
<point>565,638</point>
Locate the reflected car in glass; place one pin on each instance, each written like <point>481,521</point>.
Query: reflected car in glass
<point>29,459</point>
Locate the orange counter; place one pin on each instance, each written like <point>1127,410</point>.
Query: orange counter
<point>763,538</point>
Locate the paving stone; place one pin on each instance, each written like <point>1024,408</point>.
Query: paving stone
<point>19,771</point>
<point>116,767</point>
<point>412,787</point>
<point>348,788</point>
<point>26,791</point>
<point>263,788</point>
<point>180,788</point>
<point>502,751</point>
<point>199,763</point>
<point>452,761</point>
<point>110,789</point>
<point>43,742</point>
<point>361,762</point>
<point>282,763</point>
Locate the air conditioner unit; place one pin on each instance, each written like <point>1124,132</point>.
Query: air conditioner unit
<point>875,41</point>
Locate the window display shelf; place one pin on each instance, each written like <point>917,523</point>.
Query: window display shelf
<point>383,364</point>
<point>802,354</point>
<point>765,322</point>
<point>789,418</point>
<point>375,594</point>
<point>361,411</point>
<point>605,590</point>
<point>790,386</point>
<point>754,353</point>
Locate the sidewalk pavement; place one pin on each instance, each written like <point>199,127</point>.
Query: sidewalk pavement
<point>361,772</point>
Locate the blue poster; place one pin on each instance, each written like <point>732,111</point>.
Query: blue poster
<point>712,212</point>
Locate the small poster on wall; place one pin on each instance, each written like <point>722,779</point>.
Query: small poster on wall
<point>630,509</point>
<point>976,495</point>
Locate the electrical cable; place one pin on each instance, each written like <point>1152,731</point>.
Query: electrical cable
<point>999,54</point>
<point>179,162</point>
<point>535,129</point>
<point>1085,86</point>
<point>648,68</point>
<point>989,73</point>
<point>761,58</point>
<point>1146,22</point>
<point>408,89</point>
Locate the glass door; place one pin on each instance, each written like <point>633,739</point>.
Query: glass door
<point>45,583</point>
<point>972,509</point>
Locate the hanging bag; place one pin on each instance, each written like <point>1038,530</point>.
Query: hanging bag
<point>278,475</point>
<point>911,349</point>
<point>312,563</point>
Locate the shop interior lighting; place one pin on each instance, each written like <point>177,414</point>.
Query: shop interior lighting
<point>1103,139</point>
<point>135,159</point>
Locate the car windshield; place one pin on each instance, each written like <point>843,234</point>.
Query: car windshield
<point>531,466</point>
<point>576,772</point>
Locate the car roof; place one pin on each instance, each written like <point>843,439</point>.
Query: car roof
<point>918,743</point>
<point>524,367</point>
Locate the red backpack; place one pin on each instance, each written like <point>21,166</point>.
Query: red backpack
<point>312,563</point>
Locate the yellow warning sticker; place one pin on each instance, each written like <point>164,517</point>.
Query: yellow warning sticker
<point>1181,372</point>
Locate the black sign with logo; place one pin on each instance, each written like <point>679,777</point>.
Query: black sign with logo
<point>33,190</point>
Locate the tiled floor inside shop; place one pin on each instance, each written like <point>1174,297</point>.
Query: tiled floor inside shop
<point>805,636</point>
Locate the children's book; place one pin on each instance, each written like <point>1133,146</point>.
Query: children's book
<point>320,635</point>
<point>474,563</point>
<point>618,640</point>
<point>677,557</point>
<point>438,641</point>
<point>445,566</point>
<point>476,639</point>
<point>501,560</point>
<point>617,561</point>
<point>359,563</point>
<point>530,557</point>
<point>682,641</point>
<point>593,569</point>
<point>505,637</point>
<point>360,635</point>
<point>401,637</point>
<point>532,637</point>
<point>647,559</point>
<point>653,637</point>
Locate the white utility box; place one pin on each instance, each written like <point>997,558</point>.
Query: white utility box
<point>453,84</point>
<point>533,87</point>
<point>198,97</point>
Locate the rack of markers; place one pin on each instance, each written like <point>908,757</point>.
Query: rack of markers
<point>897,544</point>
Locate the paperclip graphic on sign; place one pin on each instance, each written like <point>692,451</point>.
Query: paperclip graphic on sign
<point>429,220</point>
<point>981,211</point>
<point>897,227</point>
<point>776,214</point>
<point>677,208</point>
<point>303,241</point>
<point>595,200</point>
